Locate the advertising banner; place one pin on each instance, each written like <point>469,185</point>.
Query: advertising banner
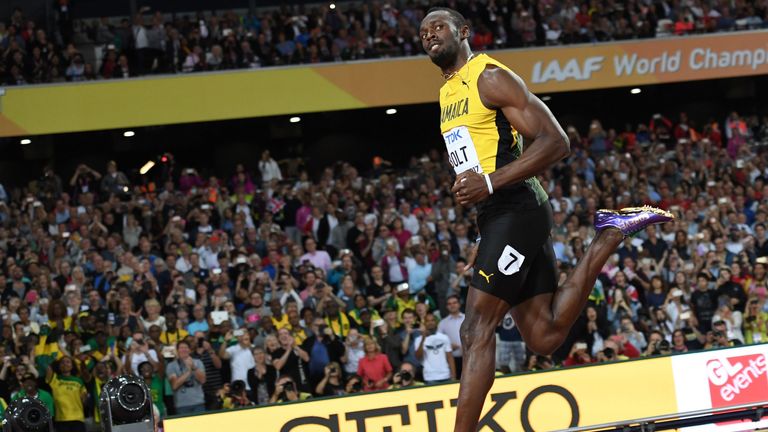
<point>541,401</point>
<point>537,401</point>
<point>723,378</point>
<point>46,109</point>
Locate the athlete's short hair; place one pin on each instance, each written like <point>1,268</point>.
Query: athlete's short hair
<point>457,18</point>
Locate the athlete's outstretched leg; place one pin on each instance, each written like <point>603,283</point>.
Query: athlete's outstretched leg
<point>545,320</point>
<point>478,340</point>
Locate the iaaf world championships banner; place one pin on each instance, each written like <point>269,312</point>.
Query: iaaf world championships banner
<point>541,401</point>
<point>73,107</point>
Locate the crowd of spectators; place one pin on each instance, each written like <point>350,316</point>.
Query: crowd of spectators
<point>151,42</point>
<point>267,285</point>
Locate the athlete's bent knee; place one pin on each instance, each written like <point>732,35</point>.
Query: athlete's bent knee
<point>475,334</point>
<point>545,344</point>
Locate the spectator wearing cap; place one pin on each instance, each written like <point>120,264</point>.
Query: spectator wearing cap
<point>30,389</point>
<point>451,326</point>
<point>402,300</point>
<point>187,376</point>
<point>433,349</point>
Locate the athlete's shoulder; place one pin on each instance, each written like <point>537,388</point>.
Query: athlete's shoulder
<point>493,63</point>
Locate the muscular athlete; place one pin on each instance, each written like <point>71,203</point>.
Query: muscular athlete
<point>486,110</point>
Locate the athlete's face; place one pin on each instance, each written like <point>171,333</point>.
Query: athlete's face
<point>440,38</point>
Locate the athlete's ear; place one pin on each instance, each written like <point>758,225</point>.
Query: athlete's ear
<point>464,32</point>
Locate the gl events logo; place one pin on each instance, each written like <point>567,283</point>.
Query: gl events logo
<point>738,380</point>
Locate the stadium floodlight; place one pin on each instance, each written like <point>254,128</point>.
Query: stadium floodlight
<point>147,166</point>
<point>129,133</point>
<point>26,141</point>
<point>126,405</point>
<point>332,6</point>
<point>635,90</point>
<point>27,415</point>
<point>391,111</point>
<point>295,119</point>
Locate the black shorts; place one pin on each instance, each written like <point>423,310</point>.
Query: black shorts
<point>516,260</point>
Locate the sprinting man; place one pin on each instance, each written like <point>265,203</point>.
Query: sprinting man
<point>486,110</point>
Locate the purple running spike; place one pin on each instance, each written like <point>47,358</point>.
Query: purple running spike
<point>631,220</point>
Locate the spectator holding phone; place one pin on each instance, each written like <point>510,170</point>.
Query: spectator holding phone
<point>435,352</point>
<point>578,355</point>
<point>239,354</point>
<point>139,351</point>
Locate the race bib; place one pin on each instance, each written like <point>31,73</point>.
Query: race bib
<point>461,150</point>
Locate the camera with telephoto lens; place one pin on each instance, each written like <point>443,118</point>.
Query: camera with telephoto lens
<point>405,376</point>
<point>27,415</point>
<point>126,405</point>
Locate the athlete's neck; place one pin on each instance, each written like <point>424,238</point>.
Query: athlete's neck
<point>465,54</point>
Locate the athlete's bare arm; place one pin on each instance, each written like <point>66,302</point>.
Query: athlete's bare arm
<point>502,89</point>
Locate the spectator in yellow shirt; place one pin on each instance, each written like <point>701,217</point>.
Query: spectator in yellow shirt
<point>69,394</point>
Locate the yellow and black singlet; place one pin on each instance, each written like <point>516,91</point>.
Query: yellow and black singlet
<point>481,139</point>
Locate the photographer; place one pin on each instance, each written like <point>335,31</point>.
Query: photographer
<point>354,384</point>
<point>234,395</point>
<point>187,376</point>
<point>405,377</point>
<point>287,391</point>
<point>204,352</point>
<point>323,347</point>
<point>139,351</point>
<point>331,384</point>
